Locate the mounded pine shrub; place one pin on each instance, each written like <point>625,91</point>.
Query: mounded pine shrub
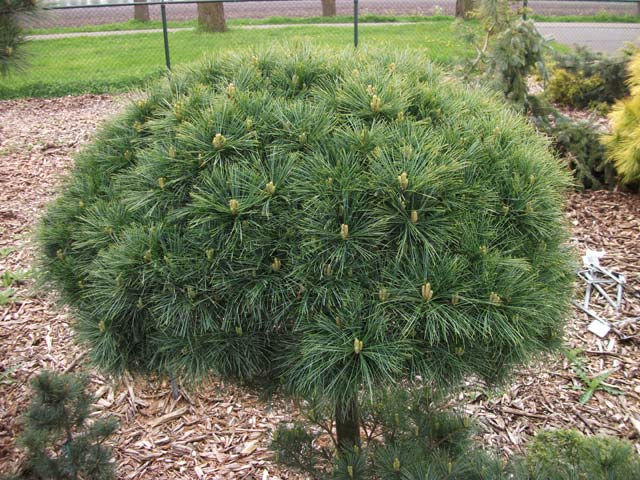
<point>328,222</point>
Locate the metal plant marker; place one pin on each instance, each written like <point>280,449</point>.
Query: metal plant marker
<point>599,278</point>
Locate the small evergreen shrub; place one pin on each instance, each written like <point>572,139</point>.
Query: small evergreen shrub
<point>565,454</point>
<point>578,142</point>
<point>411,435</point>
<point>623,144</point>
<point>293,447</point>
<point>574,89</point>
<point>60,442</point>
<point>508,51</point>
<point>516,53</point>
<point>584,78</point>
<point>329,222</point>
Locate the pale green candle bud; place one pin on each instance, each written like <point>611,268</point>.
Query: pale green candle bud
<point>427,293</point>
<point>344,231</point>
<point>403,180</point>
<point>271,188</point>
<point>275,266</point>
<point>376,104</point>
<point>495,299</point>
<point>218,141</point>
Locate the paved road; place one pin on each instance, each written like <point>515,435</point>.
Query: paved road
<point>601,37</point>
<point>306,8</point>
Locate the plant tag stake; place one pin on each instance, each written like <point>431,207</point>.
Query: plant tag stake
<point>599,328</point>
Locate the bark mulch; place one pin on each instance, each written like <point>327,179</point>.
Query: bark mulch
<point>221,430</point>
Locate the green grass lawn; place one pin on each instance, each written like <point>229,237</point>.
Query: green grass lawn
<point>119,62</point>
<point>155,24</point>
<point>602,17</point>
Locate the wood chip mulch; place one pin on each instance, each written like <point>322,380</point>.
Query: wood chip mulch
<point>221,431</point>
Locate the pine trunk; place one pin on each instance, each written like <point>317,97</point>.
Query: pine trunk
<point>328,8</point>
<point>211,17</point>
<point>463,8</point>
<point>141,12</point>
<point>348,424</point>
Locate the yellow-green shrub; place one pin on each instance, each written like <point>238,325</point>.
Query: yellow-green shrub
<point>583,78</point>
<point>574,89</point>
<point>623,144</point>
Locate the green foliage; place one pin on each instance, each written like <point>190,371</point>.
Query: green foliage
<point>577,141</point>
<point>515,53</point>
<point>591,384</point>
<point>412,436</point>
<point>11,32</point>
<point>331,222</point>
<point>6,251</point>
<point>567,454</point>
<point>10,278</point>
<point>623,144</point>
<point>6,296</point>
<point>584,78</point>
<point>61,443</point>
<point>6,375</point>
<point>293,446</point>
<point>574,89</point>
<point>409,435</point>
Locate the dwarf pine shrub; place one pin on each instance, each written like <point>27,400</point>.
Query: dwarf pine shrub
<point>330,222</point>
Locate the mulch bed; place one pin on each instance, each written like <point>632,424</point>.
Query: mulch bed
<point>220,430</point>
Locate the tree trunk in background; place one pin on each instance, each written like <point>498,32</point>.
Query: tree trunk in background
<point>211,17</point>
<point>463,8</point>
<point>141,12</point>
<point>328,8</point>
<point>348,424</point>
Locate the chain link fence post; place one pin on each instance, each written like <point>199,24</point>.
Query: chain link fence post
<point>165,34</point>
<point>355,23</point>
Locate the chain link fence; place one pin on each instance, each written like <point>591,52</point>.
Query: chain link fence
<point>98,45</point>
<point>181,11</point>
